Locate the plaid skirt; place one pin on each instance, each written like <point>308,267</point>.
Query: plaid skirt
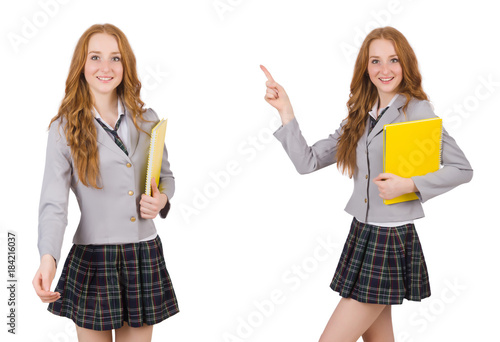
<point>382,265</point>
<point>103,286</point>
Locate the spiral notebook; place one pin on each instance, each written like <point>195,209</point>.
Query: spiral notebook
<point>155,154</point>
<point>412,148</point>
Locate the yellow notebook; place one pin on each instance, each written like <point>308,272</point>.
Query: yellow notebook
<point>155,154</point>
<point>412,148</point>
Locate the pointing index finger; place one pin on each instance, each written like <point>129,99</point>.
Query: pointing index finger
<point>267,73</point>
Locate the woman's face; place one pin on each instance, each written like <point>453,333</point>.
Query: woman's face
<point>384,69</point>
<point>103,67</point>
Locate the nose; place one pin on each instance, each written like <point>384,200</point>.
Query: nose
<point>385,69</point>
<point>105,66</point>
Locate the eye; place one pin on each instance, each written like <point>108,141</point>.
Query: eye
<point>374,61</point>
<point>116,59</point>
<point>395,60</point>
<point>94,58</point>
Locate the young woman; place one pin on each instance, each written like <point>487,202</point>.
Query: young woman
<point>114,276</point>
<point>382,260</point>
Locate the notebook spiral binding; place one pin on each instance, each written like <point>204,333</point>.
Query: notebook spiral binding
<point>150,164</point>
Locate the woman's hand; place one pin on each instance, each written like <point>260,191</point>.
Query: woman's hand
<point>43,278</point>
<point>277,97</point>
<point>391,186</point>
<point>151,205</point>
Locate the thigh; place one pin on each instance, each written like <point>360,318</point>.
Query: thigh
<point>129,334</point>
<point>89,335</point>
<point>381,329</point>
<point>350,320</point>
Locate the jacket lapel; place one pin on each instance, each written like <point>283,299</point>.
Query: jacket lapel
<point>389,117</point>
<point>132,132</point>
<point>104,139</point>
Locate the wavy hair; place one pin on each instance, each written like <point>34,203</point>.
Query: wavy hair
<point>364,93</point>
<point>77,104</point>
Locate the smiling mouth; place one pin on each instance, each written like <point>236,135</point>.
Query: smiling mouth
<point>104,78</point>
<point>388,79</point>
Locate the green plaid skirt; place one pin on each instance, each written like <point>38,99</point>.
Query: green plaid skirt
<point>103,286</point>
<point>382,265</point>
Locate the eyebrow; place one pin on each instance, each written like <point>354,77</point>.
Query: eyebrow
<point>379,56</point>
<point>99,52</point>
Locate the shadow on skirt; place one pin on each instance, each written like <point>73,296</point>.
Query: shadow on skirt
<point>382,265</point>
<point>103,286</point>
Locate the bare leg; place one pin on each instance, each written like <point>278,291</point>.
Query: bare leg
<point>129,334</point>
<point>350,320</point>
<point>89,335</point>
<point>381,329</point>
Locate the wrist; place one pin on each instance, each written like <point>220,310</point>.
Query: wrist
<point>164,200</point>
<point>286,116</point>
<point>411,186</point>
<point>47,258</point>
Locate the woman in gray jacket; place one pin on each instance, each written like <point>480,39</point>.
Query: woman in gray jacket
<point>115,275</point>
<point>382,261</point>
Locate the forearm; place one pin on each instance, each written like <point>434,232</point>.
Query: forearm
<point>307,158</point>
<point>441,181</point>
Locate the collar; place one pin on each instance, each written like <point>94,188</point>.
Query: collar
<point>374,110</point>
<point>392,113</point>
<point>121,111</point>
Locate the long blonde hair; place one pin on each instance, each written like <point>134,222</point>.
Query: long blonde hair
<point>77,104</point>
<point>364,93</point>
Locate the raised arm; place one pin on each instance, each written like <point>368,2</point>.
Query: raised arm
<point>305,158</point>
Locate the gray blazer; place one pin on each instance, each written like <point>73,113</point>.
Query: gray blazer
<point>110,215</point>
<point>365,203</point>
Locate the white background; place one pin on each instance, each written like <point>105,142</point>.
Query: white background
<point>260,234</point>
